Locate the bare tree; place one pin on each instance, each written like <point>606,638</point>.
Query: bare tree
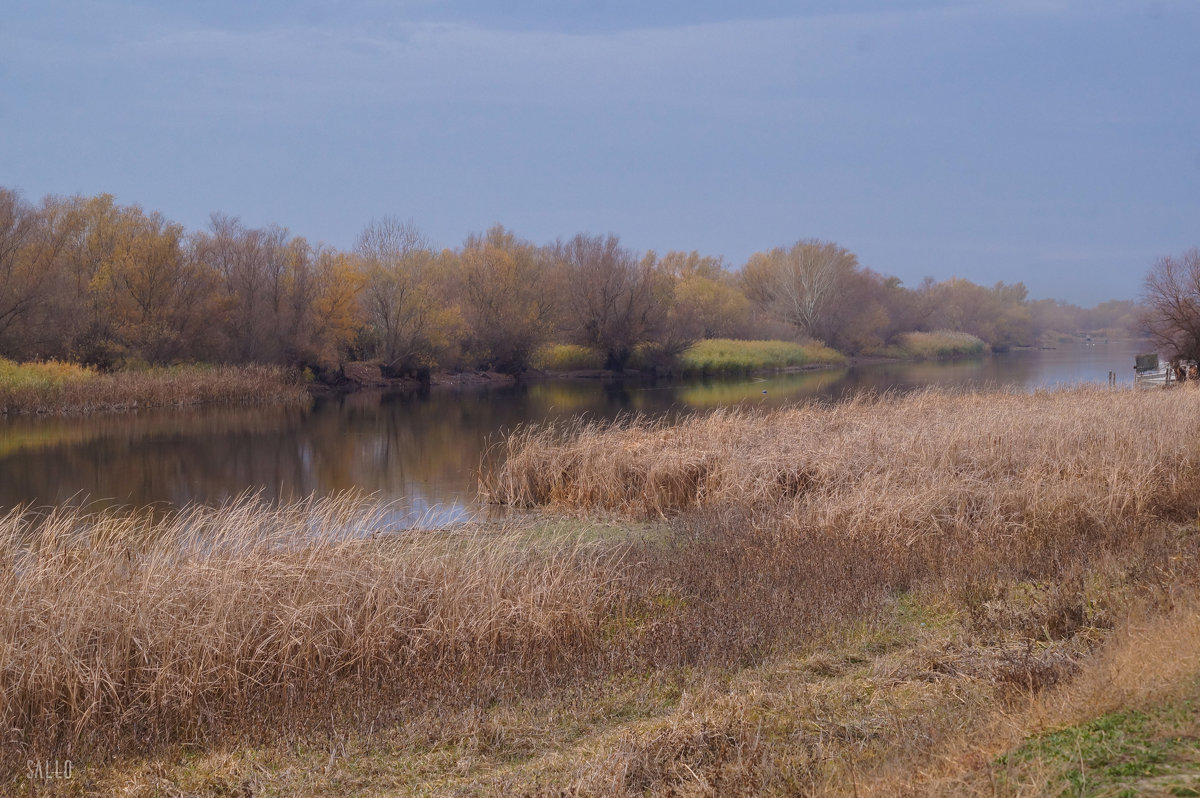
<point>1172,295</point>
<point>800,284</point>
<point>268,303</point>
<point>238,256</point>
<point>613,300</point>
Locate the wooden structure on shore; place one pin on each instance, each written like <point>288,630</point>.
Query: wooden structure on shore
<point>1150,372</point>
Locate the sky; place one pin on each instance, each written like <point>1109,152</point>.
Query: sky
<point>1053,142</point>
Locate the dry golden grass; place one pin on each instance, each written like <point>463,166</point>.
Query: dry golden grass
<point>119,631</point>
<point>1043,520</point>
<point>876,709</point>
<point>1151,658</point>
<point>872,598</point>
<point>930,465</point>
<point>38,388</point>
<point>1128,716</point>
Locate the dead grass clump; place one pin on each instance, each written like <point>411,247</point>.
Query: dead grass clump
<point>1153,658</point>
<point>844,590</point>
<point>1014,668</point>
<point>696,755</point>
<point>118,630</point>
<point>733,597</point>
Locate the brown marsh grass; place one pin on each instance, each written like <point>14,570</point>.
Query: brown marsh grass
<point>827,505</point>
<point>28,389</point>
<point>841,594</point>
<point>119,631</point>
<point>951,467</point>
<point>1038,521</point>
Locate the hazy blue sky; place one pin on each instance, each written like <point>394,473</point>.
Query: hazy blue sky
<point>1052,142</point>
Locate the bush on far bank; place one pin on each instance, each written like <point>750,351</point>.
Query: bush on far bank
<point>567,357</point>
<point>60,388</point>
<point>936,345</point>
<point>727,356</point>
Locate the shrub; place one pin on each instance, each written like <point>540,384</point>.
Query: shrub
<point>938,345</point>
<point>66,388</point>
<point>727,356</point>
<point>568,357</point>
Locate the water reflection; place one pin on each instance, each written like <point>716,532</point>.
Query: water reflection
<point>422,450</point>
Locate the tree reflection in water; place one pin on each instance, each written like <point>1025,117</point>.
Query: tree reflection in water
<point>421,450</point>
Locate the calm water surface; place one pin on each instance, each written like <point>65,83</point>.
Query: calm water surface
<point>422,451</point>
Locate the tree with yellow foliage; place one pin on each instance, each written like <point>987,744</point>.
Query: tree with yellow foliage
<point>408,322</point>
<point>508,303</point>
<point>21,291</point>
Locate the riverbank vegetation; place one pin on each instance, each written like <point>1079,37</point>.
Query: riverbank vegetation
<point>56,387</point>
<point>712,356</point>
<point>897,594</point>
<point>727,356</point>
<point>568,357</point>
<point>40,376</point>
<point>937,345</point>
<point>836,468</point>
<point>86,280</point>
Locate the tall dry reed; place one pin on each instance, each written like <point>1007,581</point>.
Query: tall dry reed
<point>792,521</point>
<point>945,466</point>
<point>1035,517</point>
<point>119,630</point>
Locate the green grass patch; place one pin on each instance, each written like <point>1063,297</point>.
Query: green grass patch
<point>32,386</point>
<point>937,345</point>
<point>726,356</point>
<point>567,357</point>
<point>1122,753</point>
<point>40,376</point>
<point>542,529</point>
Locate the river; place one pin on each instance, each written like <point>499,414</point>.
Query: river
<point>422,450</point>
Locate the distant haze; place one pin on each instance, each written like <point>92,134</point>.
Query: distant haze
<point>1051,142</point>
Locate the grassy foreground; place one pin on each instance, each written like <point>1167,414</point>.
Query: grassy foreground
<point>61,388</point>
<point>982,594</point>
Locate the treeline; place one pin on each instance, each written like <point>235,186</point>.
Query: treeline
<point>88,280</point>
